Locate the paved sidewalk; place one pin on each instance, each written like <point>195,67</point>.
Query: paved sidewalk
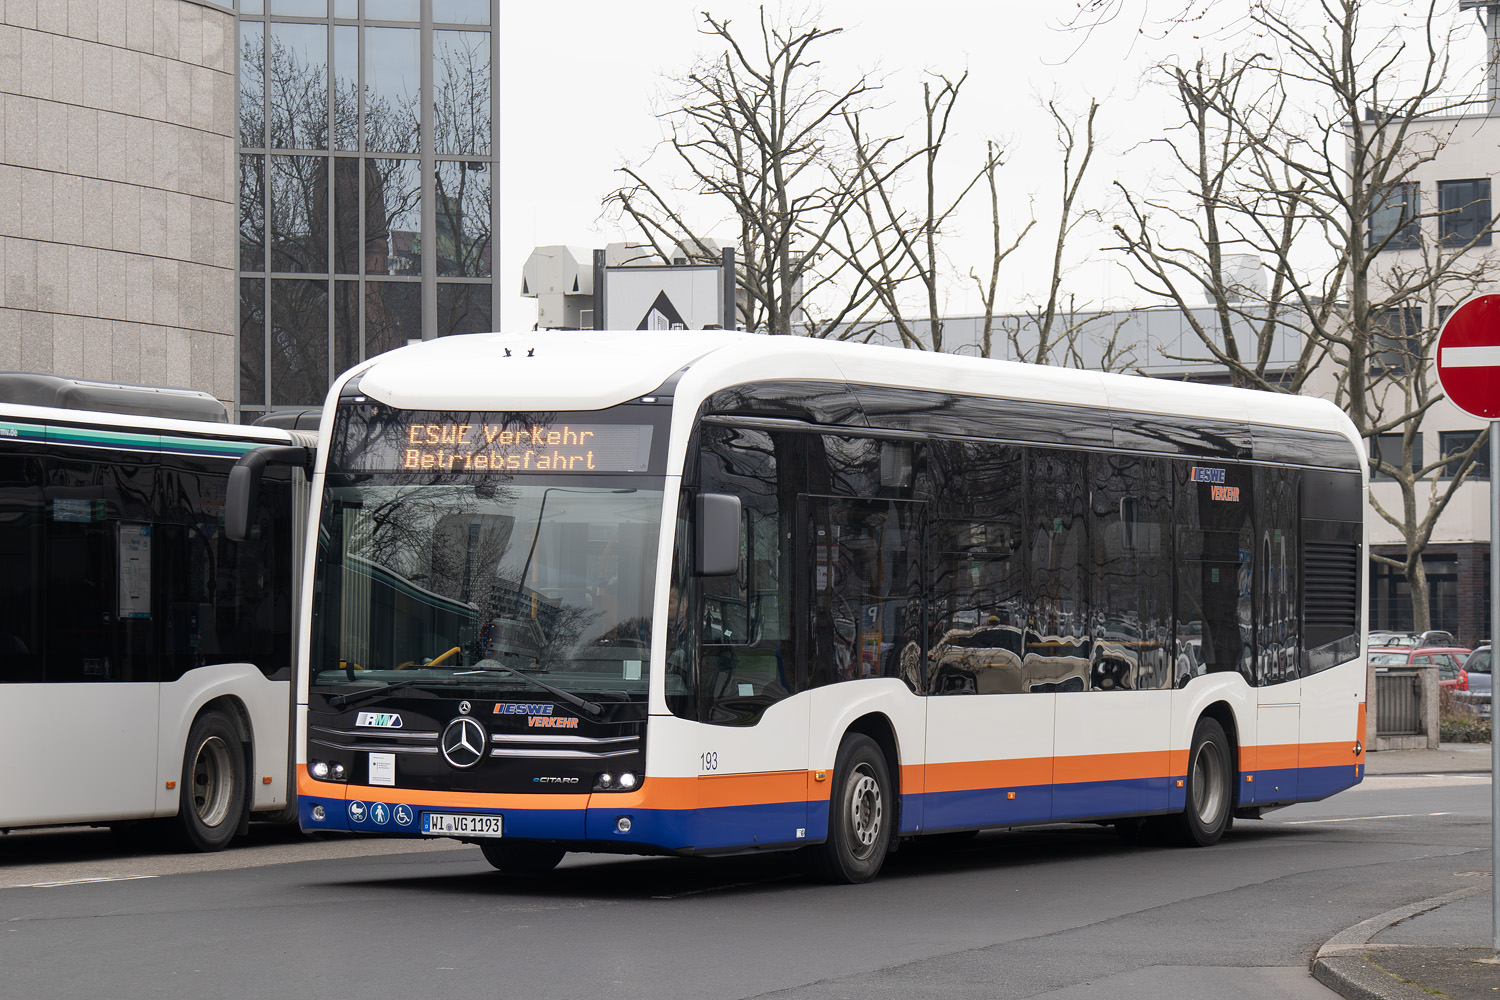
<point>1448,758</point>
<point>1427,949</point>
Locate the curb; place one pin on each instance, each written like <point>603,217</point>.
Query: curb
<point>1343,966</point>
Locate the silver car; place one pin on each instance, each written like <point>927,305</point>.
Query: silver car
<point>1478,669</point>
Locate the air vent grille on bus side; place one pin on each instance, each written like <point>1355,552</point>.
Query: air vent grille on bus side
<point>1330,588</point>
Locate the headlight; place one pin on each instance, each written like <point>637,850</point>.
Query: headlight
<point>625,781</point>
<point>325,770</point>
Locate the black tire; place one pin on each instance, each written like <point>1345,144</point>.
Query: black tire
<point>861,815</point>
<point>211,802</point>
<point>519,858</point>
<point>1209,804</point>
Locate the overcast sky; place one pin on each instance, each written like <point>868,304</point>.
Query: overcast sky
<point>580,84</point>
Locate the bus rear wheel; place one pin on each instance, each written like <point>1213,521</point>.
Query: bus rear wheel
<point>521,859</point>
<point>1209,803</point>
<point>211,803</point>
<point>861,815</point>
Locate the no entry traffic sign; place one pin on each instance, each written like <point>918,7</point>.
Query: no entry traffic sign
<point>1468,364</point>
<point>1468,357</point>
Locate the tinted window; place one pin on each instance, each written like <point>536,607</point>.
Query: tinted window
<point>1132,587</point>
<point>22,521</point>
<point>1213,563</point>
<point>977,569</point>
<point>117,570</point>
<point>1277,631</point>
<point>1058,646</point>
<point>222,601</point>
<point>866,609</point>
<point>745,662</point>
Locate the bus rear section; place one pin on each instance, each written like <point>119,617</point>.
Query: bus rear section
<point>146,658</point>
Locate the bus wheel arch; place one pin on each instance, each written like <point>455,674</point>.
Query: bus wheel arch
<point>1211,794</point>
<point>863,804</point>
<point>214,795</point>
<point>877,726</point>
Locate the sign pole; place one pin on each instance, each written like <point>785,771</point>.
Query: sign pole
<point>1468,369</point>
<point>1494,715</point>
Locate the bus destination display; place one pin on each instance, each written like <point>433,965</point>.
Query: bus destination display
<point>481,446</point>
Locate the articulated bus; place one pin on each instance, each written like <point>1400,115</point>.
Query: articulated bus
<point>145,659</point>
<point>709,592</point>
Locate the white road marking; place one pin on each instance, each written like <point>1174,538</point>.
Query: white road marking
<point>1356,819</point>
<point>81,881</point>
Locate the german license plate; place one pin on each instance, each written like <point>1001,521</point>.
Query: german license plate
<point>460,825</point>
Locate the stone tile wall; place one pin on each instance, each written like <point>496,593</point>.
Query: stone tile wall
<point>118,191</point>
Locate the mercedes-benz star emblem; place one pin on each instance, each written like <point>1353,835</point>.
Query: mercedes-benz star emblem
<point>463,708</point>
<point>463,742</point>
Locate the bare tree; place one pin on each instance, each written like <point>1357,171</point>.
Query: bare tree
<point>988,292</point>
<point>887,245</point>
<point>1303,158</point>
<point>755,126</point>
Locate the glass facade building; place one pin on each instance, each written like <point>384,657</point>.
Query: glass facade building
<point>367,178</point>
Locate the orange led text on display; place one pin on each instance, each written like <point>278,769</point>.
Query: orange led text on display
<point>495,448</point>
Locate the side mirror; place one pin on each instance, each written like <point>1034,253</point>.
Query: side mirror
<point>243,495</point>
<point>718,549</point>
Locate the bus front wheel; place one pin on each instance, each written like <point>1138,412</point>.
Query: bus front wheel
<point>211,802</point>
<point>860,816</point>
<point>521,859</point>
<point>1209,803</point>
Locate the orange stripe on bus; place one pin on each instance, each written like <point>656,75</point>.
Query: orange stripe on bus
<point>308,785</point>
<point>761,788</point>
<point>964,776</point>
<point>1112,767</point>
<point>1276,757</point>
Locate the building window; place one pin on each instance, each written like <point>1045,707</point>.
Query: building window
<point>1388,447</point>
<point>1465,207</point>
<point>1390,594</point>
<point>1393,221</point>
<point>1396,341</point>
<point>1453,442</point>
<point>367,208</point>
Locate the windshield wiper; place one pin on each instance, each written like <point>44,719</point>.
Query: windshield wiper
<point>344,700</point>
<point>593,708</point>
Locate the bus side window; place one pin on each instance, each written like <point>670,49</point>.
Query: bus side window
<point>1213,556</point>
<point>744,662</point>
<point>1132,593</point>
<point>22,521</point>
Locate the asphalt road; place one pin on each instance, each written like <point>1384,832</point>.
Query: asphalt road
<point>1062,912</point>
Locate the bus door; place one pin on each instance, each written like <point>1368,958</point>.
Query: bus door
<point>100,606</point>
<point>864,616</point>
<point>1276,761</point>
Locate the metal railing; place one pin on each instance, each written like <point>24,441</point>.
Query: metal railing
<point>1398,703</point>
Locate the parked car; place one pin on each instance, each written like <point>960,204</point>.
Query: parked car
<point>1478,671</point>
<point>1393,640</point>
<point>1449,660</point>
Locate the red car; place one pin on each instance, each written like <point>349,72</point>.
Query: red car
<point>1449,660</point>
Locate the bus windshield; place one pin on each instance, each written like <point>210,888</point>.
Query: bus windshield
<point>445,581</point>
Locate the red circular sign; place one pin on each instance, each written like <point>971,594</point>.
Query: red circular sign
<point>1468,357</point>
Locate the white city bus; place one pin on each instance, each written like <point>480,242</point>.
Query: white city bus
<point>715,592</point>
<point>145,660</point>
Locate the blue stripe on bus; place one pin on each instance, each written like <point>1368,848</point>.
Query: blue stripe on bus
<point>776,823</point>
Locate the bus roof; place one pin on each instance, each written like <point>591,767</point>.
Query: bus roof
<point>593,369</point>
<point>34,389</point>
